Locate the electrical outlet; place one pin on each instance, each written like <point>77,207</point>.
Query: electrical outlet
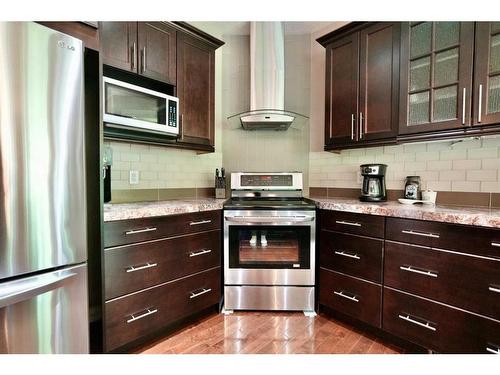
<point>359,178</point>
<point>133,177</point>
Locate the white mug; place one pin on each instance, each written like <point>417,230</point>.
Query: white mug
<point>429,196</point>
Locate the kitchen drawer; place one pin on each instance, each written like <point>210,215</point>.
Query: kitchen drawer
<point>138,314</point>
<point>138,266</point>
<point>137,230</point>
<point>353,255</point>
<point>348,222</point>
<point>465,281</point>
<point>436,326</point>
<point>469,239</point>
<point>348,295</point>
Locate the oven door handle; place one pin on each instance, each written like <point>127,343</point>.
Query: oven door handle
<point>268,220</point>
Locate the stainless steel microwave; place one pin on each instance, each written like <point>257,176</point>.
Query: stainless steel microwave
<point>137,108</point>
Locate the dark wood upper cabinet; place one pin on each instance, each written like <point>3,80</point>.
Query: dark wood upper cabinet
<point>486,100</point>
<point>379,82</point>
<point>341,95</point>
<point>119,44</point>
<point>196,90</point>
<point>436,76</point>
<point>362,85</point>
<point>157,49</point>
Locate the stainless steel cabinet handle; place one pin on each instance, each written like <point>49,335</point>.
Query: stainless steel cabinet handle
<point>347,223</point>
<point>204,291</point>
<point>200,222</point>
<point>352,126</point>
<point>492,349</point>
<point>423,234</point>
<point>420,272</point>
<point>463,106</point>
<point>134,55</point>
<point>138,268</point>
<point>495,244</point>
<point>343,295</point>
<point>494,289</point>
<point>360,125</point>
<point>426,325</point>
<point>347,255</point>
<point>480,104</point>
<point>144,59</point>
<point>148,312</point>
<point>136,231</point>
<point>205,251</point>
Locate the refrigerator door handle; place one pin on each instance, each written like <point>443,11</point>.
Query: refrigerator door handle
<point>30,288</point>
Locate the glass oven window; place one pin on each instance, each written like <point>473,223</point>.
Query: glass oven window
<point>124,102</point>
<point>269,246</point>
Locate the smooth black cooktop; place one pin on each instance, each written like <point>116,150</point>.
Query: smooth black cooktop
<point>269,204</point>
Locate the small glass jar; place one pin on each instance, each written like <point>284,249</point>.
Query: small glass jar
<point>412,187</point>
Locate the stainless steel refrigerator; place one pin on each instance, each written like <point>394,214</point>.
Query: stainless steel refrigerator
<point>43,226</point>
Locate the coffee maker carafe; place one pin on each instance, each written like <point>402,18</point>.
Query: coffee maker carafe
<point>373,187</point>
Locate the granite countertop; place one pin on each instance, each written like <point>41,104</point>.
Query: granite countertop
<point>124,211</point>
<point>487,217</point>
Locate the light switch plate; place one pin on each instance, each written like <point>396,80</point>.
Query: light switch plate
<point>133,177</point>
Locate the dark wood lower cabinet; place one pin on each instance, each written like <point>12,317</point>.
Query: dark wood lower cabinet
<point>133,316</point>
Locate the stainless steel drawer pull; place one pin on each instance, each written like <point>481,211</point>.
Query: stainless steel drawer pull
<point>423,234</point>
<point>136,231</point>
<point>200,222</point>
<point>426,325</point>
<point>420,272</point>
<point>347,223</point>
<point>205,251</point>
<point>343,295</point>
<point>495,244</point>
<point>495,289</point>
<point>204,291</point>
<point>347,255</point>
<point>492,349</point>
<point>146,266</point>
<point>149,311</point>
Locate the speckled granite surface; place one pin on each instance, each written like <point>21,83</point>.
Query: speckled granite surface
<point>449,214</point>
<point>124,211</point>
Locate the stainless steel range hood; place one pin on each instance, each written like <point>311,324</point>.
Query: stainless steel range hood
<point>267,79</point>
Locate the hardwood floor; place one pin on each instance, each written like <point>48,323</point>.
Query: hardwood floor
<point>269,333</point>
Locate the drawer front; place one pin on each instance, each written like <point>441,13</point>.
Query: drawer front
<point>350,296</point>
<point>464,281</point>
<point>468,239</point>
<point>353,255</point>
<point>134,267</point>
<point>347,222</point>
<point>138,230</point>
<point>438,327</point>
<point>139,314</point>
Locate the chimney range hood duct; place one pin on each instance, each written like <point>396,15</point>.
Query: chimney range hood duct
<point>267,79</point>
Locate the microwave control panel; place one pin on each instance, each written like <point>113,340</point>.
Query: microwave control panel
<point>172,113</point>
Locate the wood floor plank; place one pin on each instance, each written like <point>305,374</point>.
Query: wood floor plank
<point>268,333</point>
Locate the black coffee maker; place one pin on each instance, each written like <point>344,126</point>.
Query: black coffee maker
<point>373,188</point>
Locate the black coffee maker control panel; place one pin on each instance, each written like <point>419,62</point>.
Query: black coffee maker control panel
<point>373,169</point>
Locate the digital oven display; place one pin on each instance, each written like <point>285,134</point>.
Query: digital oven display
<point>266,180</point>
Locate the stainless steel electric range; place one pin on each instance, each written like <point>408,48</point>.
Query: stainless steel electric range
<point>269,244</point>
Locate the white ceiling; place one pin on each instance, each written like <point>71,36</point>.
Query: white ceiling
<point>243,28</point>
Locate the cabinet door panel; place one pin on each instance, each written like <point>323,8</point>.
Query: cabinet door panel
<point>379,81</point>
<point>436,76</point>
<point>195,89</point>
<point>341,95</point>
<point>119,44</point>
<point>487,74</point>
<point>157,46</point>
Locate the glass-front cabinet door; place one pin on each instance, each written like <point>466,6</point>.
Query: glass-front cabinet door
<point>487,74</point>
<point>436,76</point>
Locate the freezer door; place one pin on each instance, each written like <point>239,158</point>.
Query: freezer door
<point>42,171</point>
<point>46,313</point>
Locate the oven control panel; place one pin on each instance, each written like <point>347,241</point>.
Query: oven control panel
<point>266,180</point>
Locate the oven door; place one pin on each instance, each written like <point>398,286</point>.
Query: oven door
<point>134,107</point>
<point>269,247</point>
